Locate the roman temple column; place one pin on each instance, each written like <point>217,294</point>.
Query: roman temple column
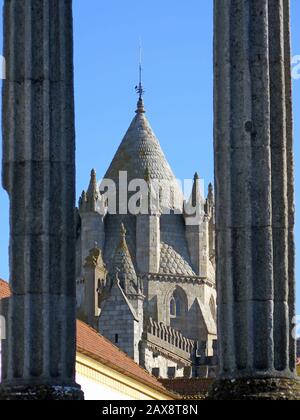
<point>254,200</point>
<point>39,176</point>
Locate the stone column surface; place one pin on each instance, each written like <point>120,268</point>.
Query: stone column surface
<point>39,176</point>
<point>254,178</point>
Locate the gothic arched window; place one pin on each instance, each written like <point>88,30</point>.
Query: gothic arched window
<point>176,305</point>
<point>173,307</point>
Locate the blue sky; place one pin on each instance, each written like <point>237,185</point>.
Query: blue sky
<point>178,78</point>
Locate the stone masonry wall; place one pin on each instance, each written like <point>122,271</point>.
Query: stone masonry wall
<point>148,243</point>
<point>117,322</point>
<point>161,291</point>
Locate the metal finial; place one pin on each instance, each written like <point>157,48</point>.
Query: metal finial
<point>140,89</point>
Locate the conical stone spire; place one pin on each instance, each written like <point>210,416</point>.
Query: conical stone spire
<point>139,151</point>
<point>123,265</point>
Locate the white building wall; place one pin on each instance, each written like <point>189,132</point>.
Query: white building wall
<point>94,391</point>
<point>2,337</point>
<point>162,363</point>
<point>100,382</point>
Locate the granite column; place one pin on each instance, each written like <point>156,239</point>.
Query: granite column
<point>39,176</point>
<point>254,200</point>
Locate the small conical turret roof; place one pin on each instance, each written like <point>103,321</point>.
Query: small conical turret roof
<point>93,188</point>
<point>123,265</point>
<point>196,198</point>
<point>89,199</point>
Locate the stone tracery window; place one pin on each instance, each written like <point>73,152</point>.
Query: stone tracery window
<point>176,305</point>
<point>172,307</point>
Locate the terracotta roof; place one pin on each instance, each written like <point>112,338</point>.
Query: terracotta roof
<point>94,345</point>
<point>189,388</point>
<point>4,289</point>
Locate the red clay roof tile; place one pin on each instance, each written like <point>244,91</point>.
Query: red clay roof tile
<point>91,343</point>
<point>4,289</point>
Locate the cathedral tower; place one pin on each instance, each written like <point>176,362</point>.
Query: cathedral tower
<point>158,299</point>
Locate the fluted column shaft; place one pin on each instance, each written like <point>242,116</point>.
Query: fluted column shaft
<point>39,176</point>
<point>254,188</point>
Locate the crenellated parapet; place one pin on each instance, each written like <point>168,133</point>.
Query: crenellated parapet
<point>164,335</point>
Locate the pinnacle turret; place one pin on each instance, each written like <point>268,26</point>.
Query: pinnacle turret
<point>210,196</point>
<point>210,201</point>
<point>92,192</point>
<point>90,198</point>
<point>196,193</point>
<point>123,243</point>
<point>123,266</point>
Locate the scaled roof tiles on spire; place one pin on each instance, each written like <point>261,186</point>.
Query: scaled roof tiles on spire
<point>140,151</point>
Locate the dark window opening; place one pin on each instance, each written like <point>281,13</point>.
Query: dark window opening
<point>176,306</point>
<point>172,372</point>
<point>173,307</point>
